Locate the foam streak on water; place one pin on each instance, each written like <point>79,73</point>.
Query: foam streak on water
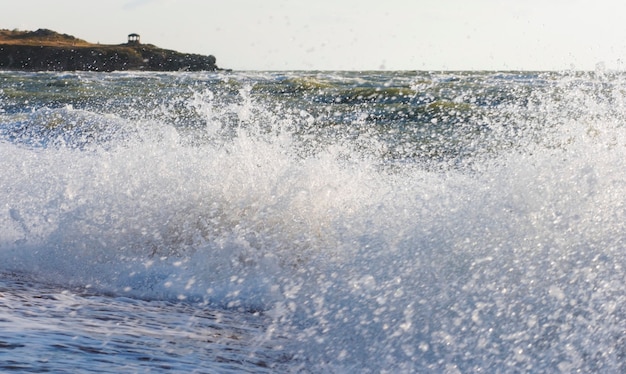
<point>328,222</point>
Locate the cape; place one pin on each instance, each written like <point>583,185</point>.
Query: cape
<point>47,50</point>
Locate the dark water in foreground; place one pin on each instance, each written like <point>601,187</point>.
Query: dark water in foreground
<point>312,222</point>
<point>48,329</point>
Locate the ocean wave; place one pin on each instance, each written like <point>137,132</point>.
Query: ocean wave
<point>509,252</point>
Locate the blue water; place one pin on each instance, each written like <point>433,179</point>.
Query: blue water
<point>312,222</point>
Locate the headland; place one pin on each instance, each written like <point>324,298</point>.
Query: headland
<point>47,50</point>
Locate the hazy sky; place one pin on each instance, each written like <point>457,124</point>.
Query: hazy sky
<point>351,34</point>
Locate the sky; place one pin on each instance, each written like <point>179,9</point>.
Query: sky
<point>351,34</point>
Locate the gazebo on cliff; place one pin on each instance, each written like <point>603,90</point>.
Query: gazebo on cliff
<point>133,38</point>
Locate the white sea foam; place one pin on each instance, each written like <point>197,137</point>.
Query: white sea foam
<point>517,259</point>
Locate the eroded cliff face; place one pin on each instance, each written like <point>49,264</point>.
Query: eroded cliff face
<point>48,50</point>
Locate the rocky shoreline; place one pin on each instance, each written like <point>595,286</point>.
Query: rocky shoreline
<point>46,50</point>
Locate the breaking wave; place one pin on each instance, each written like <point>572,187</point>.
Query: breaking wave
<point>416,222</point>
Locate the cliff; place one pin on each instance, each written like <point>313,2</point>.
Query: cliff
<point>47,50</point>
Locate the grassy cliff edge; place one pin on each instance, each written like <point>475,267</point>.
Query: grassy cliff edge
<point>44,50</point>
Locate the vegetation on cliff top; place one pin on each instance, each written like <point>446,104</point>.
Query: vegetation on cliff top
<point>41,37</point>
<point>48,50</point>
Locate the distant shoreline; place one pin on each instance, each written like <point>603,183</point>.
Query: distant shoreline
<point>47,50</point>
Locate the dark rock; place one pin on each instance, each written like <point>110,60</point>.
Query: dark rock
<point>47,50</point>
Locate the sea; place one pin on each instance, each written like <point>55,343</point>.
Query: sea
<point>313,222</point>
